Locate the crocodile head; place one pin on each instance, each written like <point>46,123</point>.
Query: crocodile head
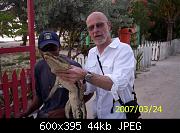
<point>56,63</point>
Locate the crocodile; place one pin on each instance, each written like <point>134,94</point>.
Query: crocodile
<point>75,107</point>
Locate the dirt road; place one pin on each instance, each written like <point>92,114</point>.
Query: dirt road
<point>160,87</point>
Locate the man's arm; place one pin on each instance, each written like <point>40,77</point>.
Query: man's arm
<point>101,81</point>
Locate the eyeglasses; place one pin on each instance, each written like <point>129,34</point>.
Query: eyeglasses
<point>98,25</point>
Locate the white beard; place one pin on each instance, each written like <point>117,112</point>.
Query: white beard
<point>100,41</point>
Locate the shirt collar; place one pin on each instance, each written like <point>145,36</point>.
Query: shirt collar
<point>115,42</point>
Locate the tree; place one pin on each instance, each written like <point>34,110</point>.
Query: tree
<point>6,28</point>
<point>116,11</point>
<point>140,13</point>
<point>66,16</point>
<point>16,9</point>
<point>169,10</point>
<point>177,28</point>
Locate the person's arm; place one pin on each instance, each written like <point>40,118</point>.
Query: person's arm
<point>33,106</point>
<point>101,81</point>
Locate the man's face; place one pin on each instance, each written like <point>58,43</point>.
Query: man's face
<point>51,48</point>
<point>99,29</point>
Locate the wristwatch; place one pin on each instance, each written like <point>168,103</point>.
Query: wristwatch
<point>88,76</point>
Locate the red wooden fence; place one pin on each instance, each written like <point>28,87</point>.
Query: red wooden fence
<point>16,92</point>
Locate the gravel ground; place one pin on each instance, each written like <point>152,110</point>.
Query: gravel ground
<point>160,88</point>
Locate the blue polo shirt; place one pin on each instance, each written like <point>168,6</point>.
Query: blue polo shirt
<point>44,81</point>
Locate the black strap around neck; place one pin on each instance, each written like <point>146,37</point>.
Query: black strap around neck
<point>100,64</point>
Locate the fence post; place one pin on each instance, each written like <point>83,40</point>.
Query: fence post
<point>5,89</point>
<point>15,93</point>
<point>30,8</point>
<point>23,90</point>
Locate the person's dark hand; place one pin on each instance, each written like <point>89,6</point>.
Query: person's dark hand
<point>22,115</point>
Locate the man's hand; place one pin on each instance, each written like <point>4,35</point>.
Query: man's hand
<point>72,75</point>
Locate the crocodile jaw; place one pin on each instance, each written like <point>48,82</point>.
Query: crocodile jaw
<point>56,63</point>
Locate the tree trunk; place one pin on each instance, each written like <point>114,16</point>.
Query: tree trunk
<point>69,51</point>
<point>169,30</point>
<point>69,47</point>
<point>24,39</point>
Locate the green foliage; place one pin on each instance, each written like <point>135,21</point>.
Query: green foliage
<point>177,29</point>
<point>9,24</point>
<point>66,16</point>
<point>13,20</point>
<point>63,14</point>
<point>168,11</point>
<point>71,14</point>
<point>140,14</point>
<point>158,32</point>
<point>116,12</point>
<point>138,60</point>
<point>119,16</point>
<point>5,27</point>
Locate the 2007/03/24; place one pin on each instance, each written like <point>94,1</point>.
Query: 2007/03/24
<point>143,109</point>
